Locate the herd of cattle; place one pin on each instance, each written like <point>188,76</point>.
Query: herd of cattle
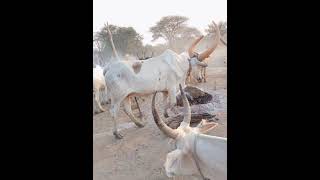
<point>196,152</point>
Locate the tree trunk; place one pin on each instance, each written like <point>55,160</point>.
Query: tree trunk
<point>174,121</point>
<point>112,44</point>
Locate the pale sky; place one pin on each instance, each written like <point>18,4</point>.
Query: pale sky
<point>142,14</point>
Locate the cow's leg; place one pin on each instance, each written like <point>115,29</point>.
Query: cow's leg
<point>204,74</point>
<point>189,79</point>
<point>167,104</point>
<point>96,102</point>
<point>114,114</point>
<point>108,98</point>
<point>97,95</point>
<point>128,111</point>
<point>103,96</point>
<point>201,74</point>
<point>173,101</point>
<point>193,79</point>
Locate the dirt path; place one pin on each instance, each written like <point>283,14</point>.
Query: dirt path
<point>141,153</point>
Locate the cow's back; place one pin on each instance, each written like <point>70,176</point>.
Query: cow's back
<point>156,74</point>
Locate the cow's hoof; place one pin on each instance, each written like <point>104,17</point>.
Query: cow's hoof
<point>117,135</point>
<point>165,115</point>
<point>139,124</point>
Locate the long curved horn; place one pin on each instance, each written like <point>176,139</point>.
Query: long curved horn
<point>207,53</point>
<point>224,42</point>
<point>193,45</point>
<point>161,125</point>
<point>186,105</point>
<point>111,41</point>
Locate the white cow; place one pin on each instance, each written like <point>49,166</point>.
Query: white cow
<point>196,153</point>
<point>162,73</point>
<point>99,85</point>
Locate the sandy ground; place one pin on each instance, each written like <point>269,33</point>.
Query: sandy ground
<point>140,155</point>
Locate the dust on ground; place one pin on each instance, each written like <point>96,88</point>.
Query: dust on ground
<point>140,155</point>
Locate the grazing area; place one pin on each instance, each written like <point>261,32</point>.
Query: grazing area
<point>142,152</point>
<point>159,90</point>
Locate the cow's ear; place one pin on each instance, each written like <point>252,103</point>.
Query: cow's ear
<point>204,126</point>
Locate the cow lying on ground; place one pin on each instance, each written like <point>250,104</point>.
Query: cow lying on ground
<point>196,153</point>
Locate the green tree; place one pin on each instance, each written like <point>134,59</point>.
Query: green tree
<point>169,28</point>
<point>222,27</point>
<point>126,40</point>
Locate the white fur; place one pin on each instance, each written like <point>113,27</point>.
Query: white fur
<point>211,151</point>
<point>162,73</point>
<point>99,85</point>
